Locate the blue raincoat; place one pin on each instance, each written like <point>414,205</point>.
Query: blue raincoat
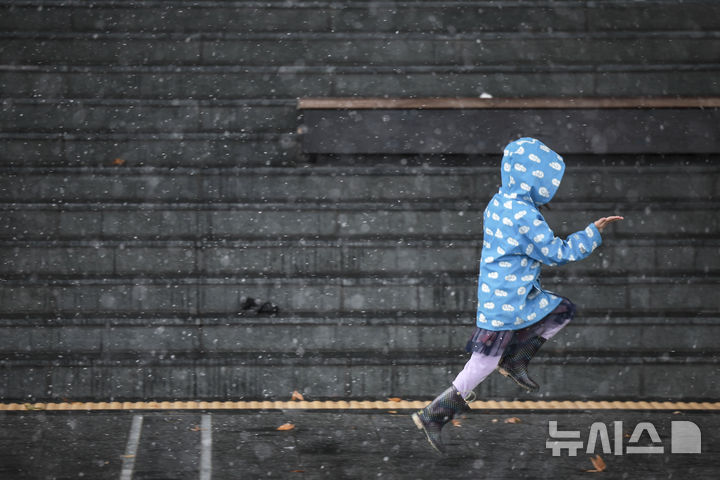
<point>517,240</point>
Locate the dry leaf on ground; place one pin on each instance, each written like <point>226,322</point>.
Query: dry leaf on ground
<point>395,399</point>
<point>456,422</point>
<point>297,396</point>
<point>512,420</point>
<point>286,426</point>
<point>598,463</point>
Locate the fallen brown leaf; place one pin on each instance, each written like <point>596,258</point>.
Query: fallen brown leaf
<point>297,396</point>
<point>598,463</point>
<point>395,399</point>
<point>512,420</point>
<point>118,161</point>
<point>392,411</point>
<point>456,422</point>
<point>286,426</point>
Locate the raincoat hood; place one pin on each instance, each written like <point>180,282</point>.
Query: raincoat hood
<point>531,171</point>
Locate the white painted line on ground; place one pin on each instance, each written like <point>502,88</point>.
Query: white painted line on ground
<point>128,465</point>
<point>206,448</point>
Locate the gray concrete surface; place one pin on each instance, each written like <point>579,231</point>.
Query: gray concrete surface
<point>130,229</point>
<point>341,445</point>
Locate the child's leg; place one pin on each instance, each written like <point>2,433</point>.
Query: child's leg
<point>549,326</point>
<point>475,371</point>
<point>487,348</point>
<point>528,341</point>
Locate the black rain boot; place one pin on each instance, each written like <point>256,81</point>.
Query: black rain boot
<point>514,363</point>
<point>433,418</point>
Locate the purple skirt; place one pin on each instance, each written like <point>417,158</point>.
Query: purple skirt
<point>494,342</point>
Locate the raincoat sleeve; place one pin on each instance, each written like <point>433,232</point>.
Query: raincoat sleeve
<point>542,245</point>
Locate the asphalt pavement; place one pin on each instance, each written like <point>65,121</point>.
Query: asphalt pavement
<point>348,444</point>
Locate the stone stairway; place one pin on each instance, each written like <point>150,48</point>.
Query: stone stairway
<point>151,181</point>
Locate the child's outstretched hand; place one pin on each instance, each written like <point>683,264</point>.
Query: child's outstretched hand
<point>601,223</point>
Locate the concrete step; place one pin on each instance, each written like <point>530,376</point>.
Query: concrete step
<point>205,151</point>
<point>421,80</point>
<point>328,295</point>
<point>620,334</point>
<point>586,180</point>
<point>380,49</point>
<point>109,16</point>
<point>407,220</point>
<point>261,375</point>
<point>53,259</point>
<point>157,116</point>
<point>140,149</point>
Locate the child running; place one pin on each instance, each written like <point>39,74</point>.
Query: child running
<point>515,316</point>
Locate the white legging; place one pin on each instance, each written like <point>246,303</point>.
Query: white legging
<point>481,365</point>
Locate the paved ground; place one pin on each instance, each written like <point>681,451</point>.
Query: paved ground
<point>335,444</point>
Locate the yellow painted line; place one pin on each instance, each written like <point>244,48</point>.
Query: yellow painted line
<point>358,405</point>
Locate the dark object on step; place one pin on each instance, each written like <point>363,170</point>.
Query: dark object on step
<point>252,305</point>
